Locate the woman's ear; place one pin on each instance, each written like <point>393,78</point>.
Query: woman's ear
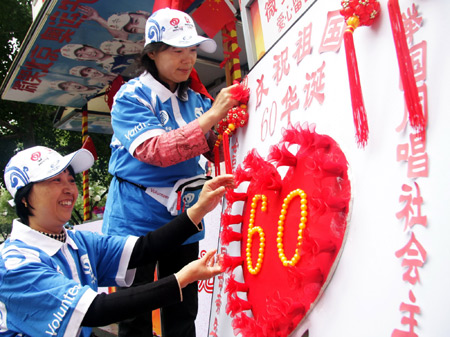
<point>151,55</point>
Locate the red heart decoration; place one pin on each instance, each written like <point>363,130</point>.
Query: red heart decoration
<point>287,261</point>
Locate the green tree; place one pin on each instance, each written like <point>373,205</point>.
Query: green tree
<point>23,125</point>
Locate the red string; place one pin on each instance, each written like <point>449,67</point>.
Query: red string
<point>216,160</point>
<point>416,116</point>
<point>226,153</point>
<point>359,111</point>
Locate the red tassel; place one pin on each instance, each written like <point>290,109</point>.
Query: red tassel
<point>226,152</point>
<point>416,116</point>
<point>357,13</point>
<point>233,196</point>
<point>229,263</point>
<point>236,305</point>
<point>216,160</point>
<point>228,235</point>
<point>359,111</point>
<point>234,286</point>
<point>233,219</point>
<point>282,156</point>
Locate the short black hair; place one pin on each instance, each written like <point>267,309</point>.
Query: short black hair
<point>24,212</point>
<point>22,194</point>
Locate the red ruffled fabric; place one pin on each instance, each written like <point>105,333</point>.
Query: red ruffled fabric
<point>229,235</point>
<point>236,305</point>
<point>229,263</point>
<point>234,286</point>
<point>280,297</point>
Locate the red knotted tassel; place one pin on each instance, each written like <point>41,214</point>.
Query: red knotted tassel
<point>228,219</point>
<point>231,262</point>
<point>226,152</point>
<point>357,13</point>
<point>416,116</point>
<point>236,117</point>
<point>236,305</point>
<point>217,156</point>
<point>234,286</point>
<point>228,235</point>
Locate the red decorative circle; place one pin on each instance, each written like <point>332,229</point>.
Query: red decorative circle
<point>35,156</point>
<point>175,21</point>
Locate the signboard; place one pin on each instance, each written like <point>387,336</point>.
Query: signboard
<point>75,48</point>
<point>267,21</point>
<point>391,277</point>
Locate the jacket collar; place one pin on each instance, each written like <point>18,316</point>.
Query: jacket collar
<point>159,89</point>
<point>33,238</point>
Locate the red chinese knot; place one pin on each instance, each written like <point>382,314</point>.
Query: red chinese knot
<point>365,10</point>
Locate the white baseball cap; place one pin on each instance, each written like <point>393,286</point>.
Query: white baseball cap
<point>177,29</point>
<point>118,21</point>
<point>69,50</point>
<point>55,85</point>
<point>40,163</point>
<point>76,71</point>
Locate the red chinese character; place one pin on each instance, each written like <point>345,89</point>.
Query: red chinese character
<point>297,5</point>
<point>271,9</point>
<point>72,5</point>
<point>411,321</point>
<point>44,53</point>
<point>290,102</point>
<point>418,54</point>
<point>412,22</point>
<point>314,86</point>
<point>25,86</point>
<point>215,326</point>
<point>333,33</point>
<point>27,74</point>
<point>218,303</point>
<point>303,43</point>
<point>57,34</point>
<point>281,66</point>
<point>416,217</point>
<point>67,20</point>
<point>281,22</point>
<point>414,257</point>
<point>260,91</point>
<point>418,160</point>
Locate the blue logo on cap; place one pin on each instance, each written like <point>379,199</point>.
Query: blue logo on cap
<point>17,177</point>
<point>155,32</point>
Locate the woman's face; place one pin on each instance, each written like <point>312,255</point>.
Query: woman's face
<point>174,64</point>
<point>136,24</point>
<point>74,87</point>
<point>88,53</point>
<point>52,201</point>
<point>91,73</point>
<point>130,48</point>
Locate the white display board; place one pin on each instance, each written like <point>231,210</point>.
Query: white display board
<point>398,185</point>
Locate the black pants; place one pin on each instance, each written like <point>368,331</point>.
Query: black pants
<point>177,320</point>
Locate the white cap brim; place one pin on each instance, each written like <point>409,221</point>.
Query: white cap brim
<point>205,44</point>
<point>80,161</point>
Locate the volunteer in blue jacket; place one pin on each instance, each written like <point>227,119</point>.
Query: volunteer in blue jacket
<point>49,276</point>
<point>161,130</point>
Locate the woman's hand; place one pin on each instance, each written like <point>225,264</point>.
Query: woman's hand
<point>208,266</point>
<point>212,192</point>
<point>90,13</point>
<point>223,102</point>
